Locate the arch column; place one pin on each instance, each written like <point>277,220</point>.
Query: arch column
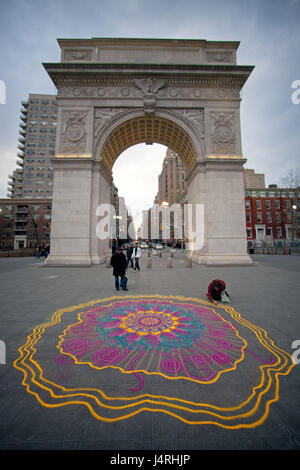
<point>218,185</point>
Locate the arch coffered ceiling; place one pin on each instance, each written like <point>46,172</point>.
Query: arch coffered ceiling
<point>148,129</point>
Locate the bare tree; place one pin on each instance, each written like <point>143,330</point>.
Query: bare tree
<point>291,179</point>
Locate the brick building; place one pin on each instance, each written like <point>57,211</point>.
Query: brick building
<point>272,214</point>
<point>24,223</point>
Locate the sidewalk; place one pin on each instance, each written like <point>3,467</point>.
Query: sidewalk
<point>265,294</point>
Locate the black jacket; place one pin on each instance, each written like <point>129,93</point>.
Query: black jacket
<point>118,262</point>
<point>129,252</point>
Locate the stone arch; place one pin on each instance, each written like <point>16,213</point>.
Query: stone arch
<point>115,93</point>
<point>133,127</point>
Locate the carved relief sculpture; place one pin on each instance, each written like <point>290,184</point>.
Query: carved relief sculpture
<point>149,88</point>
<point>74,139</point>
<point>103,116</point>
<point>222,132</point>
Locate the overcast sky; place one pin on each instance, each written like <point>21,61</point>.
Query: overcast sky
<point>269,32</point>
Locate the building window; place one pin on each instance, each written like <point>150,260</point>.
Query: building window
<point>249,232</point>
<point>278,218</point>
<point>277,204</point>
<point>289,217</point>
<point>259,218</point>
<point>247,204</point>
<point>248,217</point>
<point>279,232</point>
<point>269,231</point>
<point>268,204</point>
<point>258,204</point>
<point>269,217</point>
<point>288,204</point>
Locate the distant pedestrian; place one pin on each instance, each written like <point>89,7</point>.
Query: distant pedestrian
<point>136,254</point>
<point>118,262</point>
<point>37,253</point>
<point>129,252</point>
<point>47,251</point>
<point>216,292</point>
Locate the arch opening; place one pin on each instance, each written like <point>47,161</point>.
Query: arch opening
<point>149,130</point>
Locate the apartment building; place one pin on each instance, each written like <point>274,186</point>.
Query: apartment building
<point>24,223</point>
<point>33,178</point>
<point>272,214</point>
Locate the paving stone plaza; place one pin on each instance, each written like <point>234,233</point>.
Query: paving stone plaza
<point>157,367</point>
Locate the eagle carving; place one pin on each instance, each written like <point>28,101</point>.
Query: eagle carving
<point>148,85</point>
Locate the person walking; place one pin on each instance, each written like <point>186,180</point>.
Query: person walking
<point>118,262</point>
<point>129,252</point>
<point>47,251</point>
<point>136,254</point>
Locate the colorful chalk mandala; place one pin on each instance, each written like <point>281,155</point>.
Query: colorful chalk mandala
<point>119,356</point>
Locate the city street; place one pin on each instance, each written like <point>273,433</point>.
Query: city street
<point>254,404</point>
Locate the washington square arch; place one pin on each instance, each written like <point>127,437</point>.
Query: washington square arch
<point>114,93</point>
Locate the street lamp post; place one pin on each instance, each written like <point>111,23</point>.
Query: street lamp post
<point>294,207</point>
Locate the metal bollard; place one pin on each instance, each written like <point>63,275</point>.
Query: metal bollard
<point>188,263</point>
<point>169,263</point>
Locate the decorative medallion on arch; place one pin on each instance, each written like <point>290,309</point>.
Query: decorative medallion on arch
<point>148,129</point>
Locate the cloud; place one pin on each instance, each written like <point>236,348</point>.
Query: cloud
<point>269,39</point>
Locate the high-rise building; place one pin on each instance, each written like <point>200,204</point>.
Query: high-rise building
<point>37,140</point>
<point>171,181</point>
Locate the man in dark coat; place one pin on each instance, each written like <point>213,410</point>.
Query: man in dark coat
<point>129,252</point>
<point>118,262</point>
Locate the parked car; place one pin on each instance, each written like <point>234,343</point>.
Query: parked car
<point>158,246</point>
